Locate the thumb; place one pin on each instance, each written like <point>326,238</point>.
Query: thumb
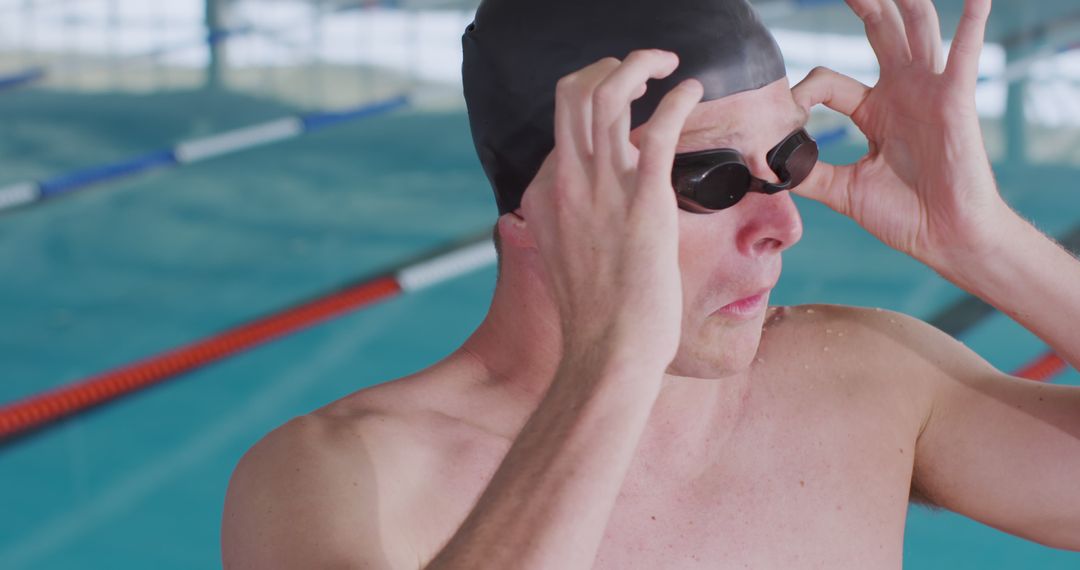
<point>828,184</point>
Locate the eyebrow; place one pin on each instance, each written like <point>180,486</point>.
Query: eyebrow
<point>707,136</point>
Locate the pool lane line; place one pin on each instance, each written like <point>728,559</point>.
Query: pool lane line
<point>28,193</point>
<point>36,411</point>
<point>22,77</point>
<point>1043,368</point>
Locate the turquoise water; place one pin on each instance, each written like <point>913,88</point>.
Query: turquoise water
<point>127,269</point>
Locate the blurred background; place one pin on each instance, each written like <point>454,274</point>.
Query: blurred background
<point>169,170</point>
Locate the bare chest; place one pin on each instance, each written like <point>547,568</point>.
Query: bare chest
<point>806,499</point>
<point>802,483</point>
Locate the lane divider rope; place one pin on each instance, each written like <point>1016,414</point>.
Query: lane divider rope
<point>1044,368</point>
<point>34,412</point>
<point>27,193</point>
<point>39,410</point>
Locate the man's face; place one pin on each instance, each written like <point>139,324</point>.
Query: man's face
<point>729,257</point>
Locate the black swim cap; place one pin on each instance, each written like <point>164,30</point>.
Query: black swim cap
<point>515,51</point>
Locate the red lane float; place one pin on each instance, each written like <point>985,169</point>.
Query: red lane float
<point>441,265</point>
<point>1044,368</point>
<point>50,406</point>
<point>36,411</point>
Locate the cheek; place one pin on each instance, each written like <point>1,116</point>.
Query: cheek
<point>703,256</point>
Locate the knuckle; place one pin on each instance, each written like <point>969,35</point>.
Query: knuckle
<point>641,54</point>
<point>606,96</point>
<point>652,138</point>
<point>601,67</point>
<point>563,181</point>
<point>566,84</point>
<point>873,16</point>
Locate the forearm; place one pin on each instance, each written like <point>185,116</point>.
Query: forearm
<point>1029,277</point>
<point>549,501</point>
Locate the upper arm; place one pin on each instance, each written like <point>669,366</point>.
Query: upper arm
<point>999,449</point>
<point>307,496</point>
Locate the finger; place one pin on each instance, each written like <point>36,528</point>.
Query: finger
<point>885,30</point>
<point>829,185</point>
<point>923,33</point>
<point>611,103</point>
<point>823,86</point>
<point>660,135</point>
<point>625,155</point>
<point>573,109</point>
<point>963,63</point>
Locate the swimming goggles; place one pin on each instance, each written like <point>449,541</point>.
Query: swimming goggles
<point>710,180</point>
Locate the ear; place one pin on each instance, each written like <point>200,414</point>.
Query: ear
<point>514,231</point>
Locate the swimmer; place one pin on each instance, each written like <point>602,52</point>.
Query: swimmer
<point>631,400</point>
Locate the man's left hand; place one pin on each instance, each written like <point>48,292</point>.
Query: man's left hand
<point>926,186</point>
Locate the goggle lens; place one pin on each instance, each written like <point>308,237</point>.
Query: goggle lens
<point>712,180</point>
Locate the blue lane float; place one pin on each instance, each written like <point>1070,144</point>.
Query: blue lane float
<point>89,176</point>
<point>317,121</point>
<point>27,193</point>
<point>24,77</point>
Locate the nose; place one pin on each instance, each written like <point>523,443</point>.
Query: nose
<point>769,223</point>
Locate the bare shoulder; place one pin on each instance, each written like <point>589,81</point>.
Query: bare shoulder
<point>320,491</point>
<point>350,484</point>
<point>896,356</point>
<point>873,336</point>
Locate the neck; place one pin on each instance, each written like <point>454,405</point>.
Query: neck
<point>519,343</point>
<point>516,352</point>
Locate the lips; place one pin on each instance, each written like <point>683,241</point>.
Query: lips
<point>747,306</point>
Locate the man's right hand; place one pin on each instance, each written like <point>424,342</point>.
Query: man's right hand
<point>604,214</point>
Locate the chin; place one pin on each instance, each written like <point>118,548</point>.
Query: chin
<point>717,349</point>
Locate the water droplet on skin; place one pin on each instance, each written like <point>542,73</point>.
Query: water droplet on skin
<point>826,349</point>
<point>809,311</point>
<point>839,334</point>
<point>828,331</point>
<point>806,367</point>
<point>893,321</point>
<point>761,360</point>
<point>878,309</point>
